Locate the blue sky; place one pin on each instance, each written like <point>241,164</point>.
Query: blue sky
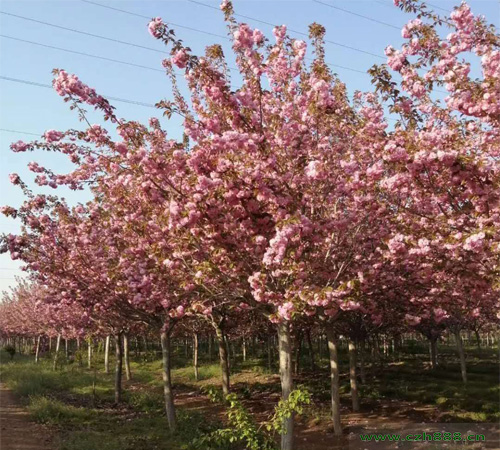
<point>34,109</point>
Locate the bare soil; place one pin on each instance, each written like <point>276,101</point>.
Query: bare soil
<point>17,432</point>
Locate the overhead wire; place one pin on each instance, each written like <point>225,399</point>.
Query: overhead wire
<point>85,33</point>
<point>347,11</point>
<point>81,53</point>
<point>149,18</point>
<point>117,99</point>
<point>301,33</point>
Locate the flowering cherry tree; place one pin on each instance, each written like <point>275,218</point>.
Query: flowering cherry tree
<point>284,200</point>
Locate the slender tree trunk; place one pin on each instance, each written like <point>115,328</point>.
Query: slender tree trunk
<point>210,352</point>
<point>37,350</point>
<point>269,353</point>
<point>286,376</point>
<point>334,380</point>
<point>230,352</point>
<point>106,354</point>
<point>352,376</point>
<point>386,346</point>
<point>126,352</point>
<point>478,339</point>
<point>298,351</point>
<point>167,380</point>
<point>461,354</point>
<point>244,349</point>
<point>224,362</point>
<point>136,347</point>
<point>50,343</point>
<point>56,356</point>
<point>89,353</point>
<point>66,350</point>
<point>362,368</point>
<point>195,355</point>
<point>118,367</point>
<point>376,350</point>
<point>311,350</point>
<point>433,351</point>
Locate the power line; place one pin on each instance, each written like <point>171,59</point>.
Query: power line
<point>116,99</point>
<point>20,132</point>
<point>357,15</point>
<point>439,7</point>
<point>301,33</point>
<point>225,37</point>
<point>257,20</point>
<point>149,18</point>
<point>391,5</point>
<point>83,32</point>
<point>82,53</point>
<point>93,35</point>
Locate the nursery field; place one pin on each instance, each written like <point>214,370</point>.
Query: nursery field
<point>76,405</point>
<point>258,250</point>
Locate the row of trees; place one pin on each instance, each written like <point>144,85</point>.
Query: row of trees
<point>285,206</point>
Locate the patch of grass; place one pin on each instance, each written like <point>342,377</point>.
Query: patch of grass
<point>442,387</point>
<point>146,401</point>
<point>53,412</point>
<point>78,401</point>
<point>186,374</point>
<point>65,399</point>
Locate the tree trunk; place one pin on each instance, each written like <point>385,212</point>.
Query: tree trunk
<point>56,356</point>
<point>230,352</point>
<point>50,343</point>
<point>352,376</point>
<point>126,352</point>
<point>195,355</point>
<point>433,351</point>
<point>89,353</point>
<point>136,347</point>
<point>311,350</point>
<point>298,351</point>
<point>66,350</point>
<point>224,362</point>
<point>269,353</point>
<point>362,369</point>
<point>118,368</point>
<point>334,380</point>
<point>37,349</point>
<point>376,350</point>
<point>210,340</point>
<point>167,380</point>
<point>244,349</point>
<point>478,339</point>
<point>106,354</point>
<point>285,349</point>
<point>461,354</point>
<point>386,346</point>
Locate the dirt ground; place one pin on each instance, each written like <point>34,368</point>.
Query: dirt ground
<point>17,432</point>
